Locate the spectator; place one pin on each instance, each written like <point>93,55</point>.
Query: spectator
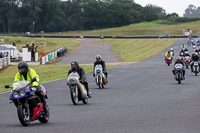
<point>1,55</point>
<point>42,53</point>
<point>14,44</point>
<point>19,56</point>
<point>160,37</point>
<point>33,52</point>
<point>168,35</point>
<point>7,54</point>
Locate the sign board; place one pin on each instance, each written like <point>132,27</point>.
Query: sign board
<point>187,32</point>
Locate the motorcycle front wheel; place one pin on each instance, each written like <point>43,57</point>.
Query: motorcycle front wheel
<point>23,115</point>
<point>74,95</point>
<point>179,78</point>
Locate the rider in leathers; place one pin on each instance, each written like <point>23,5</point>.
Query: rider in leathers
<point>195,58</point>
<point>100,61</point>
<point>179,61</point>
<point>76,68</point>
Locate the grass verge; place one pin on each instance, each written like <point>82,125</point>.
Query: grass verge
<point>46,73</point>
<point>134,50</point>
<point>47,44</point>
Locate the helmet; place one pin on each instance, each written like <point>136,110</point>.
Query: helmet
<point>98,58</point>
<point>194,47</point>
<point>22,67</point>
<point>169,52</point>
<point>74,65</point>
<point>178,58</point>
<point>171,49</point>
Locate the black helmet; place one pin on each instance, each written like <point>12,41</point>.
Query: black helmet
<point>74,65</point>
<point>169,52</point>
<point>22,67</point>
<point>98,58</point>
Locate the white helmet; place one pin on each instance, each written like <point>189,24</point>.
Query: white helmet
<point>194,47</point>
<point>171,49</point>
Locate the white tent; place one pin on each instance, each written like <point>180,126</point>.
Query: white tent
<point>12,50</point>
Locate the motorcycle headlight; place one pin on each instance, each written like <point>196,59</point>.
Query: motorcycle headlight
<point>21,93</point>
<point>15,94</point>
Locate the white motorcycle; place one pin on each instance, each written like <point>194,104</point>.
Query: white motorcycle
<point>78,91</point>
<point>100,77</point>
<point>196,68</point>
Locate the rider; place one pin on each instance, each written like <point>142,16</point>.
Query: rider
<point>194,48</point>
<point>179,61</point>
<point>168,53</point>
<point>172,51</point>
<point>183,46</point>
<point>182,52</point>
<point>76,68</point>
<point>24,73</point>
<point>195,58</point>
<point>100,61</point>
<point>187,54</point>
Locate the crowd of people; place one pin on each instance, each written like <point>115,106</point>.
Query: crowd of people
<point>5,54</point>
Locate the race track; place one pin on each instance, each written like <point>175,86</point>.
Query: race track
<point>140,98</point>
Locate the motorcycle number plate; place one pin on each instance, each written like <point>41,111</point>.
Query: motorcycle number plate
<point>196,63</point>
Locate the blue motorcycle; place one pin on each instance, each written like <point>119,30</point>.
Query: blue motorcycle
<point>29,105</point>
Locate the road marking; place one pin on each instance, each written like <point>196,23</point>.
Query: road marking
<point>4,92</point>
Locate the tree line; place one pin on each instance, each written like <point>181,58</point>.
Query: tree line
<point>57,16</point>
<point>192,12</point>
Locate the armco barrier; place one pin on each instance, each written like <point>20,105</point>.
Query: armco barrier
<point>117,37</point>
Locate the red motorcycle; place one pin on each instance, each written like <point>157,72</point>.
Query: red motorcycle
<point>168,60</point>
<point>187,61</point>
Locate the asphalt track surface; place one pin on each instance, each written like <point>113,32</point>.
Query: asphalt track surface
<point>87,51</point>
<point>140,98</point>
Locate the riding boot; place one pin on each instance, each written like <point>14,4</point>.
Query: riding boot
<point>87,88</point>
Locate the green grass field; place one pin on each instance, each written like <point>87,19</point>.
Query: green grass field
<point>46,73</point>
<point>134,50</point>
<point>47,44</point>
<point>141,29</point>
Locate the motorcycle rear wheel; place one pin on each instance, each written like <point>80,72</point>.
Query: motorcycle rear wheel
<point>46,116</point>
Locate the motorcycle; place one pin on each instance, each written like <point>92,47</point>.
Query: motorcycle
<point>188,43</point>
<point>23,97</point>
<point>78,91</point>
<point>182,54</point>
<point>100,77</point>
<point>178,73</point>
<point>196,68</point>
<point>168,60</point>
<point>198,44</point>
<point>187,61</point>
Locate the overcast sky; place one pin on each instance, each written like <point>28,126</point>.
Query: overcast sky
<point>171,6</point>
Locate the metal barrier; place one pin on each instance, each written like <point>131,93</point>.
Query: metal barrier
<point>5,61</point>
